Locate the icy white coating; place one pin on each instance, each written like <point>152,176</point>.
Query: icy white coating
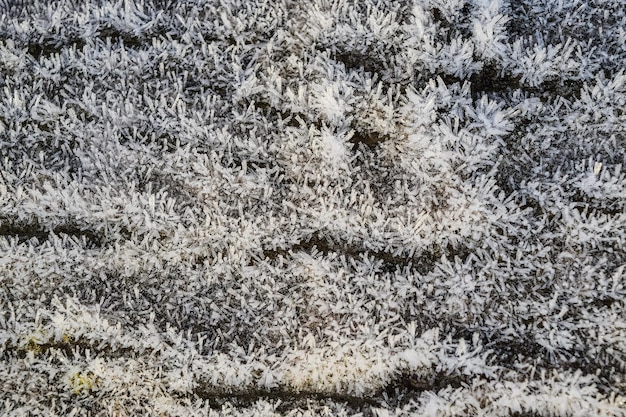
<point>312,207</point>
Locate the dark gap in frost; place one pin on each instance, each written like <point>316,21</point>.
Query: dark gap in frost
<point>444,34</point>
<point>368,139</point>
<point>213,38</point>
<point>605,302</point>
<point>586,205</point>
<point>93,239</point>
<point>398,392</point>
<point>424,263</point>
<point>23,232</point>
<point>116,36</point>
<point>216,399</point>
<point>491,80</point>
<point>168,142</point>
<point>568,89</point>
<point>194,86</point>
<point>507,352</point>
<point>48,46</point>
<point>401,386</point>
<point>68,345</point>
<point>406,387</point>
<point>26,231</point>
<point>454,26</point>
<point>494,81</point>
<point>37,50</point>
<point>356,60</point>
<point>437,14</point>
<point>286,117</point>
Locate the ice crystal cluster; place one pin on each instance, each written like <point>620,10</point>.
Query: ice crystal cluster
<point>312,207</point>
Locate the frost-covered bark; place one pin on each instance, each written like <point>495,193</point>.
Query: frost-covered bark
<point>247,207</point>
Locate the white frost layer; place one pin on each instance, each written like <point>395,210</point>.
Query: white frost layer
<point>254,207</point>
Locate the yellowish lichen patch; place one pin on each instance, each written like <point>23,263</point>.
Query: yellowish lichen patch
<point>82,382</point>
<point>32,342</point>
<point>33,346</point>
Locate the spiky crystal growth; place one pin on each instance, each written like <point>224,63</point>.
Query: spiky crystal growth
<point>247,207</point>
